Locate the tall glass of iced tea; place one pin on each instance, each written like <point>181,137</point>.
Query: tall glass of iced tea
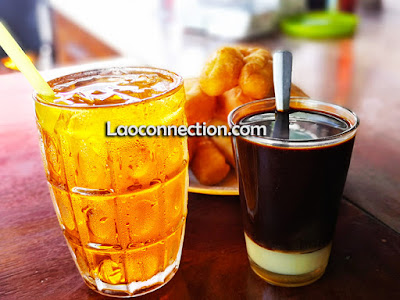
<point>121,201</point>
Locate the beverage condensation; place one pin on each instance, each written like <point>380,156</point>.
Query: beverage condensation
<point>121,201</point>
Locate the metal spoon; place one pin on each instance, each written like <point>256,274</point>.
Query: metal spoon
<point>282,69</point>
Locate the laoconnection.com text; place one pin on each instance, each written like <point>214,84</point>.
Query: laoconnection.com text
<point>183,130</point>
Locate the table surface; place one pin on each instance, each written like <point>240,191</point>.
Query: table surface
<point>362,73</point>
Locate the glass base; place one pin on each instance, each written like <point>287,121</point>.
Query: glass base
<point>286,280</point>
<point>136,288</point>
<point>133,289</point>
<point>287,269</point>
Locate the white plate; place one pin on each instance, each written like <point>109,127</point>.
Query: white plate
<point>229,186</point>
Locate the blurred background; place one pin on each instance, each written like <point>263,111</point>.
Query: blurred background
<point>181,34</point>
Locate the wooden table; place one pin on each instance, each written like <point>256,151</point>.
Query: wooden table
<point>365,260</point>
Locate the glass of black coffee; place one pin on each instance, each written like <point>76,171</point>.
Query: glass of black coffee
<point>291,184</point>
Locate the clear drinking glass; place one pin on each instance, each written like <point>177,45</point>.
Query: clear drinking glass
<point>290,188</point>
<point>121,201</point>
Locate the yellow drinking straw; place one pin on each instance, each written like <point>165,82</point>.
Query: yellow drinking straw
<point>24,64</point>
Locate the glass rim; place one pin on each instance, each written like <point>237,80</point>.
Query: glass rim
<point>303,103</point>
<point>177,84</point>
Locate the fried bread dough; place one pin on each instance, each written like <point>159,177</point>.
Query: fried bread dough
<point>221,72</point>
<point>208,164</point>
<point>229,101</point>
<point>256,78</point>
<point>199,106</point>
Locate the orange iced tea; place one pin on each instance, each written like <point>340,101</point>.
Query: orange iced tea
<point>121,201</point>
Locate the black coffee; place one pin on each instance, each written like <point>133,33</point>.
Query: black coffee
<point>290,196</point>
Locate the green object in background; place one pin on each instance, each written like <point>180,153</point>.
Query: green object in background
<point>320,25</point>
